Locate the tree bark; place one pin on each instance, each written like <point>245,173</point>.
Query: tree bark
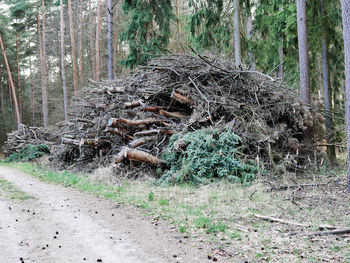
<point>2,105</point>
<point>346,31</point>
<point>18,78</point>
<point>280,51</point>
<point>74,52</point>
<point>81,69</point>
<point>327,89</point>
<point>249,27</point>
<point>237,37</point>
<point>303,52</point>
<point>110,39</point>
<point>42,50</point>
<point>91,33</point>
<point>32,82</point>
<point>13,89</point>
<point>98,32</point>
<point>63,75</point>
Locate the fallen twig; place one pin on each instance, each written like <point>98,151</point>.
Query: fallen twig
<point>274,219</point>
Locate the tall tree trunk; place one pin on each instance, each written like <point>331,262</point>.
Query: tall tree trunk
<point>110,39</point>
<point>280,51</point>
<point>43,61</point>
<point>327,89</point>
<point>18,118</point>
<point>32,82</point>
<point>91,33</point>
<point>249,27</point>
<point>98,32</point>
<point>237,34</point>
<point>74,52</point>
<point>63,75</point>
<point>346,30</point>
<point>2,105</point>
<point>115,47</point>
<point>81,71</point>
<point>18,78</point>
<point>303,52</point>
<point>178,26</point>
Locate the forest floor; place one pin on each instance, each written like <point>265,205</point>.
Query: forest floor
<point>136,221</point>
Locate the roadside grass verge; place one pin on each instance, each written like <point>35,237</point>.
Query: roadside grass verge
<point>221,215</point>
<point>9,191</point>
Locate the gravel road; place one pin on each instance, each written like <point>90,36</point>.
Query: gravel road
<point>64,225</point>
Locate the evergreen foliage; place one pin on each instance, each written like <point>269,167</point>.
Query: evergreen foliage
<point>209,25</point>
<point>209,155</point>
<point>29,153</point>
<point>148,31</point>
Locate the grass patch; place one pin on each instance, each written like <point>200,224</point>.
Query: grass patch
<point>9,191</point>
<point>221,213</point>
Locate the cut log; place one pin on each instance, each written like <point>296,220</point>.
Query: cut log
<point>85,120</point>
<point>137,155</point>
<point>119,133</point>
<point>114,89</point>
<point>142,141</point>
<point>133,104</point>
<point>70,141</point>
<point>112,122</point>
<point>150,108</point>
<point>182,99</point>
<point>87,142</point>
<point>162,131</point>
<point>176,115</point>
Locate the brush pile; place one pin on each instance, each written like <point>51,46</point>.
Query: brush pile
<point>131,120</point>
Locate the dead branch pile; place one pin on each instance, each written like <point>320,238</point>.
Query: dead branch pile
<point>132,119</point>
<point>29,135</point>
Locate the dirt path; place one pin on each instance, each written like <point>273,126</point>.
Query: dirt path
<point>63,225</point>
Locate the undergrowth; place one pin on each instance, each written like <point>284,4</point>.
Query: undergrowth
<point>209,155</point>
<point>29,153</point>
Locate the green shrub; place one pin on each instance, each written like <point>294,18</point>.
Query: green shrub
<point>29,153</point>
<point>209,155</point>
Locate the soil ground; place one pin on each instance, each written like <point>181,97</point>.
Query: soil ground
<point>60,224</point>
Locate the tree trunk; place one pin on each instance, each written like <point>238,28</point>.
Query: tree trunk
<point>303,52</point>
<point>63,75</point>
<point>98,32</point>
<point>280,51</point>
<point>42,51</point>
<point>32,82</point>
<point>115,46</point>
<point>91,32</point>
<point>346,30</point>
<point>18,78</point>
<point>110,39</point>
<point>74,52</point>
<point>237,37</point>
<point>327,89</point>
<point>18,118</point>
<point>2,105</point>
<point>249,27</point>
<point>81,70</point>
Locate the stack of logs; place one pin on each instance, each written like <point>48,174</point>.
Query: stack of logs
<point>136,139</point>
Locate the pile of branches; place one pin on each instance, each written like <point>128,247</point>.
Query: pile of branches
<point>130,121</point>
<point>26,135</point>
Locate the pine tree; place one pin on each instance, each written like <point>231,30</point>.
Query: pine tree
<point>148,30</point>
